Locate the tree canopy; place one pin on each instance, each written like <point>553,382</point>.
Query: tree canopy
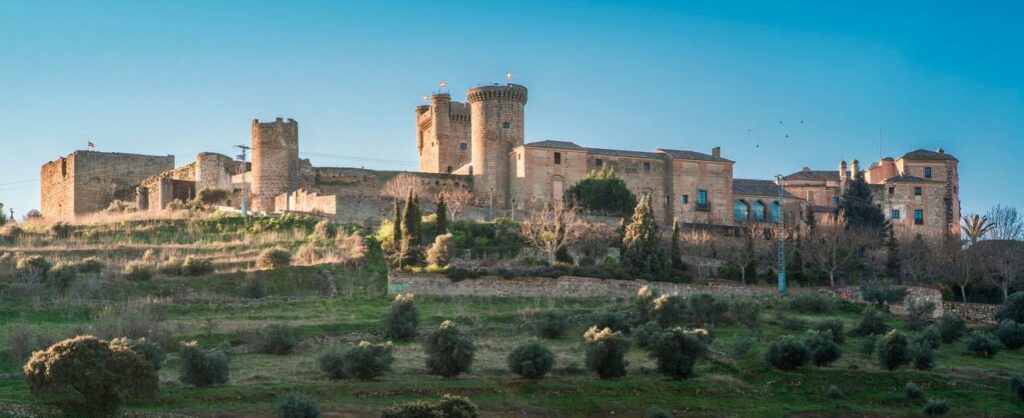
<point>602,192</point>
<point>859,209</point>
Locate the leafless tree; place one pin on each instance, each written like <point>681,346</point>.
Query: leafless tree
<point>1003,262</point>
<point>917,259</point>
<point>552,228</point>
<point>1008,224</point>
<point>954,260</point>
<point>398,187</point>
<point>832,247</point>
<point>457,198</point>
<point>747,249</point>
<point>595,239</point>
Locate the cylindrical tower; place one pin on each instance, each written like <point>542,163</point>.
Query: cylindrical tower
<point>496,123</point>
<point>275,161</point>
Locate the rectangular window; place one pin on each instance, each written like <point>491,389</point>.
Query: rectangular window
<point>917,191</point>
<point>702,197</point>
<point>810,196</point>
<point>558,158</point>
<point>686,199</point>
<point>835,200</point>
<point>598,162</point>
<point>918,217</point>
<point>927,172</point>
<point>895,214</point>
<point>892,191</point>
<point>647,167</point>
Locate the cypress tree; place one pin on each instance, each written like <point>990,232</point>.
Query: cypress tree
<point>642,254</point>
<point>677,253</point>
<point>411,219</point>
<point>396,235</point>
<point>442,215</point>
<point>859,209</point>
<point>893,265</point>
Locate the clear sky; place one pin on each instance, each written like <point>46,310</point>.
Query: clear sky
<point>180,77</point>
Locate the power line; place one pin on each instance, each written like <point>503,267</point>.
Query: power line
<point>19,182</point>
<point>361,159</point>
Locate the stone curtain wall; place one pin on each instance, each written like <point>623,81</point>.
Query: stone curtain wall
<point>974,312</point>
<point>57,189</point>
<point>587,287</point>
<point>87,181</point>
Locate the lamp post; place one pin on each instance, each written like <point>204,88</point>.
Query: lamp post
<point>245,190</point>
<point>782,238</point>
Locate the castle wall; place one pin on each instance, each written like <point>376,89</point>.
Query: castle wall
<point>214,171</point>
<point>900,196</point>
<point>538,180</point>
<point>275,161</point>
<point>689,177</point>
<point>57,189</point>
<point>497,126</point>
<point>88,180</point>
<point>443,135</point>
<point>655,180</point>
<point>307,202</point>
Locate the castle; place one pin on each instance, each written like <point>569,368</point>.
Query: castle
<point>480,145</point>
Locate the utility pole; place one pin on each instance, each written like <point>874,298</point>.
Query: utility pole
<point>490,210</point>
<point>245,188</point>
<point>782,235</point>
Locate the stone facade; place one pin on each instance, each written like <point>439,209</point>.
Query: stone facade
<point>275,161</point>
<point>86,182</point>
<point>497,126</point>
<point>443,135</point>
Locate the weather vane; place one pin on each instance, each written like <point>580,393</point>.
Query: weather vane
<point>508,77</point>
<point>444,84</point>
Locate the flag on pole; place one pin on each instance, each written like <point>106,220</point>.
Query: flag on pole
<point>91,145</point>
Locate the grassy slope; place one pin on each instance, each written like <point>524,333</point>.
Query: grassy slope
<point>971,385</point>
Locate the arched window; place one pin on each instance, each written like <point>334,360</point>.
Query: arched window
<point>557,188</point>
<point>776,212</point>
<point>758,210</point>
<point>740,211</point>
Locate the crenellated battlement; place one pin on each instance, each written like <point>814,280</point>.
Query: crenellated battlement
<point>514,92</point>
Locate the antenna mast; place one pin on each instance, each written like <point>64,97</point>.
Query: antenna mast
<point>245,188</point>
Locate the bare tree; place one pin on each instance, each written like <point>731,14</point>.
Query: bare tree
<point>1003,262</point>
<point>552,228</point>
<point>831,248</point>
<point>954,260</point>
<point>975,227</point>
<point>1008,224</point>
<point>457,198</point>
<point>399,186</point>
<point>917,259</point>
<point>745,251</point>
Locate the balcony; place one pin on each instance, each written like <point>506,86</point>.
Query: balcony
<point>703,207</point>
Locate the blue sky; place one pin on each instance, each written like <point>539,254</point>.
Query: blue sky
<point>180,77</point>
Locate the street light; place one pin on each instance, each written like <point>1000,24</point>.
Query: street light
<point>782,239</point>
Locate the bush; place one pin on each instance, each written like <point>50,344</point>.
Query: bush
<point>149,350</point>
<point>252,288</point>
<point>1013,308</point>
<point>297,405</point>
<point>647,334</point>
<point>741,347</point>
<point>918,312</point>
<point>402,319</point>
<point>449,351</point>
<point>656,412</point>
<point>551,325</point>
<point>834,393</point>
<point>923,356</point>
<point>277,339</point>
<point>605,352</point>
<point>982,344</point>
<point>894,351</point>
<point>912,391</point>
<point>787,353</point>
<point>952,326</point>
<point>61,275</point>
<point>416,409</point>
<point>202,367</point>
<point>823,348</point>
<point>705,309</point>
<point>677,351</point>
<point>273,258</point>
<point>1017,386</point>
<point>449,407</point>
<point>669,311</point>
<point>869,345</point>
<point>90,265</point>
<point>608,319</point>
<point>871,322</point>
<point>34,266</point>
<point>882,294</point>
<point>195,266</point>
<point>212,196</point>
<point>531,360</point>
<point>170,267</point>
<point>114,375</point>
<point>137,271</point>
<point>816,304</point>
<point>835,327</point>
<point>746,312</point>
<point>325,230</point>
<point>442,251</point>
<point>365,361</point>
<point>936,408</point>
<point>1010,334</point>
<point>931,336</point>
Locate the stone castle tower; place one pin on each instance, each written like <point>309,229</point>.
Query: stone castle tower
<point>496,118</point>
<point>442,135</point>
<point>275,161</point>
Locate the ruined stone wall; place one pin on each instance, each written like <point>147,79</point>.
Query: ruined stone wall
<point>974,312</point>
<point>304,201</point>
<point>96,179</point>
<point>363,183</point>
<point>275,161</point>
<point>57,189</point>
<point>214,171</point>
<point>497,126</point>
<point>689,177</point>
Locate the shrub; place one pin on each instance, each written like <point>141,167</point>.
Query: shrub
<point>871,322</point>
<point>656,412</point>
<point>787,353</point>
<point>982,344</point>
<point>252,288</point>
<point>918,311</point>
<point>869,345</point>
<point>137,271</point>
<point>705,309</point>
<point>195,266</point>
<point>170,267</point>
<point>90,265</point>
<point>816,304</point>
<point>448,407</point>
<point>923,356</point>
<point>1010,334</point>
<point>952,326</point>
<point>550,325</point>
<point>741,346</point>
<point>677,351</point>
<point>325,230</point>
<point>605,352</point>
<point>365,361</point>
<point>402,318</point>
<point>669,310</point>
<point>273,258</point>
<point>212,196</point>
<point>893,350</point>
<point>449,351</point>
<point>882,294</point>
<point>912,391</point>
<point>531,360</point>
<point>823,348</point>
<point>647,334</point>
<point>149,350</point>
<point>834,393</point>
<point>61,230</point>
<point>442,251</point>
<point>1013,308</point>
<point>202,367</point>
<point>1017,386</point>
<point>415,409</point>
<point>931,336</point>
<point>277,339</point>
<point>297,405</point>
<point>835,327</point>
<point>747,312</point>
<point>114,375</point>
<point>61,275</point>
<point>607,319</point>
<point>935,408</point>
<point>34,266</point>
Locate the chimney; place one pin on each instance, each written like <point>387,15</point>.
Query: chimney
<point>854,169</point>
<point>716,152</point>
<point>941,151</point>
<point>842,176</point>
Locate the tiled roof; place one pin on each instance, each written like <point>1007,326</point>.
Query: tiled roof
<point>808,174</point>
<point>554,144</point>
<point>693,155</point>
<point>923,154</point>
<point>903,178</point>
<point>623,153</point>
<point>752,187</point>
